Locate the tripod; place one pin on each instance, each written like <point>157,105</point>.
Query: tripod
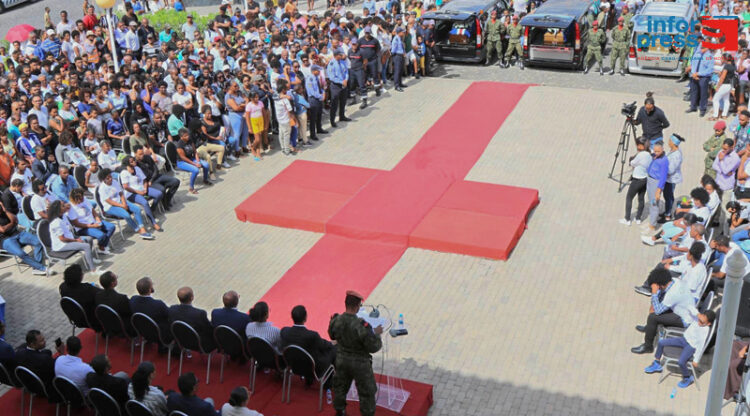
<point>628,130</point>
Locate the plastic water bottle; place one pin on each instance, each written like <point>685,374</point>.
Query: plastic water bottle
<point>674,393</point>
<point>401,321</point>
<point>684,201</point>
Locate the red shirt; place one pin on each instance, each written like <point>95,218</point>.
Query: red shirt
<point>89,21</point>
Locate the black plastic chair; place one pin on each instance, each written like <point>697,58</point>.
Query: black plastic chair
<point>79,173</point>
<point>42,232</point>
<point>170,151</point>
<point>116,220</point>
<point>9,379</point>
<point>31,384</point>
<point>136,408</point>
<point>112,324</point>
<point>103,403</point>
<point>187,338</point>
<point>148,330</point>
<point>263,355</point>
<point>228,342</point>
<point>77,317</point>
<point>301,363</point>
<point>26,208</point>
<point>126,147</point>
<point>70,394</point>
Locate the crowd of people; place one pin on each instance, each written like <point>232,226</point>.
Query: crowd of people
<point>89,132</point>
<point>699,232</point>
<point>356,341</point>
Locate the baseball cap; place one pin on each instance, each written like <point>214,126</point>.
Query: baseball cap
<point>256,78</point>
<point>315,68</point>
<point>89,33</point>
<point>50,32</point>
<point>133,23</point>
<point>368,29</point>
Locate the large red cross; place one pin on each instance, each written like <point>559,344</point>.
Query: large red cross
<point>371,216</point>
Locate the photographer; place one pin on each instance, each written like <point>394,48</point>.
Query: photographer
<point>652,120</point>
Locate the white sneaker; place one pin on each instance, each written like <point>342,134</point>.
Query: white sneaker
<point>37,272</point>
<point>638,222</point>
<point>623,221</point>
<point>648,240</point>
<point>231,157</point>
<point>96,261</point>
<point>226,165</point>
<point>105,251</point>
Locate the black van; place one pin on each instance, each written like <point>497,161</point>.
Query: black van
<point>555,34</point>
<point>459,26</point>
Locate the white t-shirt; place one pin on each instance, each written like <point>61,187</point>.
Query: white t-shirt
<point>640,165</point>
<point>282,110</point>
<point>109,192</point>
<point>27,177</point>
<point>134,181</point>
<point>694,277</point>
<point>713,201</point>
<point>182,99</point>
<point>702,212</point>
<point>39,203</point>
<point>229,410</point>
<point>108,160</point>
<point>681,301</point>
<point>732,248</point>
<point>82,213</point>
<point>695,335</point>
<point>57,228</point>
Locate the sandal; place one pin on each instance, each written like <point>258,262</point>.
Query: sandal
<point>193,191</point>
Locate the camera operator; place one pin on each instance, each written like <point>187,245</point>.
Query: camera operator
<point>652,120</point>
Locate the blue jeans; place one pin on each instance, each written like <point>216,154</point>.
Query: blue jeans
<point>699,93</point>
<point>740,235</point>
<point>685,355</point>
<point>140,200</point>
<point>239,130</point>
<point>101,234</point>
<point>122,213</point>
<point>15,244</point>
<point>187,167</point>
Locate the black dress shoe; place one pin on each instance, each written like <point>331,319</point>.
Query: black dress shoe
<point>642,349</point>
<point>314,138</point>
<point>640,328</point>
<point>691,110</point>
<point>321,131</point>
<point>703,113</point>
<point>345,119</point>
<point>399,89</point>
<point>334,125</point>
<point>645,291</point>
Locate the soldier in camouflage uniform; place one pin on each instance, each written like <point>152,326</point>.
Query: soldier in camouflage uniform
<point>494,32</point>
<point>514,44</point>
<point>593,47</point>
<point>620,39</point>
<point>627,18</point>
<point>356,341</point>
<point>712,146</point>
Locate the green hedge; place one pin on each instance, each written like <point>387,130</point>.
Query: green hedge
<point>176,19</point>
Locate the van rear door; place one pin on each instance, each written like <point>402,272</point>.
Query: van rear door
<point>455,34</point>
<point>551,38</point>
<point>661,57</point>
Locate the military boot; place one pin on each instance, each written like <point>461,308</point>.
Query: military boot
<point>520,63</point>
<point>586,69</point>
<point>612,71</point>
<point>601,70</point>
<point>622,72</point>
<point>364,103</point>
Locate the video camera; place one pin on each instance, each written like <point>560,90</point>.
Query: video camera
<point>628,110</point>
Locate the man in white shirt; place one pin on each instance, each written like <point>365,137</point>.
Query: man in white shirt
<point>132,42</point>
<point>64,24</point>
<point>41,199</point>
<point>692,343</point>
<point>694,272</point>
<point>722,245</point>
<point>71,366</point>
<point>188,28</point>
<point>23,172</point>
<point>672,305</point>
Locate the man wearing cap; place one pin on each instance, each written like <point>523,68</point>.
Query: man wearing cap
<point>51,45</point>
<point>593,47</point>
<point>338,74</point>
<point>514,31</point>
<point>493,42</point>
<point>356,341</point>
<point>701,69</point>
<point>620,39</point>
<point>357,72</point>
<point>188,28</point>
<point>370,49</point>
<point>712,147</point>
<point>397,52</point>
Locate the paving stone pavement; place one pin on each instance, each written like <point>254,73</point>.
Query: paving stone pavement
<point>546,333</point>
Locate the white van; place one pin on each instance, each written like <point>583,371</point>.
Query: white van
<point>657,59</point>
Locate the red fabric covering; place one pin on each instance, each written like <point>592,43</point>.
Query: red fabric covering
<point>391,206</point>
<point>320,279</point>
<point>266,399</point>
<point>321,188</point>
<point>477,219</point>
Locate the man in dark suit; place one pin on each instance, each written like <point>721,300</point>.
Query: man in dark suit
<point>186,401</point>
<point>42,167</point>
<point>83,293</point>
<point>155,309</point>
<point>117,301</point>
<point>196,318</point>
<point>229,315</point>
<point>322,351</point>
<point>114,385</point>
<point>36,358</point>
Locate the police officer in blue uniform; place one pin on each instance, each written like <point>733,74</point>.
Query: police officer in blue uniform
<point>338,75</point>
<point>315,95</point>
<point>397,53</point>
